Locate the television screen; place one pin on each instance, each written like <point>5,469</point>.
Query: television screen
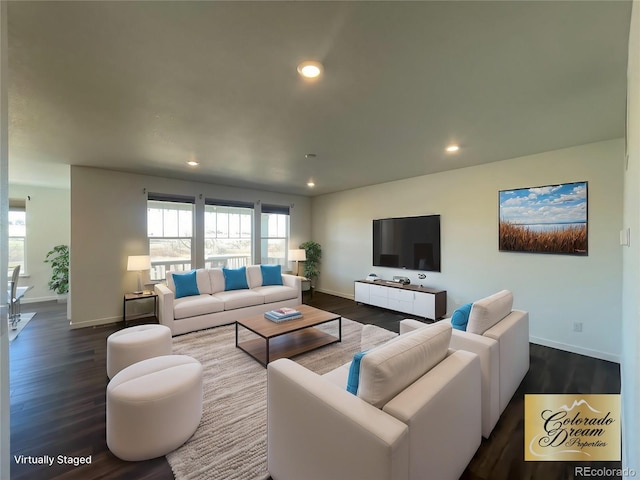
<point>409,242</point>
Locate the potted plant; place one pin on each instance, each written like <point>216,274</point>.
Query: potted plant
<point>313,252</point>
<point>58,257</point>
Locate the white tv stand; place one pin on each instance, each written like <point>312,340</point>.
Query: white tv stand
<point>412,299</point>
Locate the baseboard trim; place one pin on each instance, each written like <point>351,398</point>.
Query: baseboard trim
<point>26,300</point>
<point>337,294</point>
<point>575,349</point>
<point>95,323</point>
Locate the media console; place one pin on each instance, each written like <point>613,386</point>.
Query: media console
<point>412,299</point>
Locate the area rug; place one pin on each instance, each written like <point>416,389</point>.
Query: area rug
<point>24,319</point>
<point>231,441</point>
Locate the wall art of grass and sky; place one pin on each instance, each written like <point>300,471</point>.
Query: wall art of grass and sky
<point>548,219</point>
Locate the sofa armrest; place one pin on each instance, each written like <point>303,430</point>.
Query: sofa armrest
<point>488,351</point>
<point>316,430</point>
<point>292,281</point>
<point>445,400</point>
<point>512,335</point>
<point>166,298</point>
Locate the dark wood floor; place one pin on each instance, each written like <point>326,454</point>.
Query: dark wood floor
<point>58,384</point>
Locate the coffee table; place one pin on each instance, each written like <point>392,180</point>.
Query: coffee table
<point>289,338</point>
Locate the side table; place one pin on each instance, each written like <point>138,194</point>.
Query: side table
<point>305,286</point>
<point>132,297</point>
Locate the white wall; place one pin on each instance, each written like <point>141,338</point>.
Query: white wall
<point>48,225</point>
<point>108,223</point>
<point>630,365</point>
<point>557,290</point>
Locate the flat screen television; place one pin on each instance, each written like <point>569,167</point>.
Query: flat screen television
<point>408,242</point>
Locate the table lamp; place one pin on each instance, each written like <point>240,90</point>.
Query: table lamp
<point>138,263</point>
<point>298,255</point>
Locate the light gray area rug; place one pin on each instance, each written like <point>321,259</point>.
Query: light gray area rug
<point>231,441</point>
<point>24,319</point>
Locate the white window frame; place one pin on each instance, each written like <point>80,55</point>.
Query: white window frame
<point>265,234</point>
<point>215,206</point>
<point>18,205</point>
<point>159,268</point>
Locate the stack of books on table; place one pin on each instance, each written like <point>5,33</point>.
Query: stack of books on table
<point>282,314</point>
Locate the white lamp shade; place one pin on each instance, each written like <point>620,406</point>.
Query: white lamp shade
<point>138,262</point>
<point>298,255</point>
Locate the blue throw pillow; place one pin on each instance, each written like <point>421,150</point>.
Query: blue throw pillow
<point>235,278</point>
<point>271,274</point>
<point>186,284</point>
<point>353,379</point>
<point>460,317</point>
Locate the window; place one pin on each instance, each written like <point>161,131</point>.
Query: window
<point>170,232</point>
<point>17,233</point>
<point>274,234</point>
<point>228,230</point>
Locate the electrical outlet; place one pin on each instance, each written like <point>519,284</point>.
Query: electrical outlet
<point>577,326</point>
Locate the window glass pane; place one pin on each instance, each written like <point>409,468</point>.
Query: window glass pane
<point>17,224</point>
<point>169,254</point>
<point>16,252</point>
<point>154,222</point>
<point>185,223</point>
<point>228,236</point>
<point>17,234</point>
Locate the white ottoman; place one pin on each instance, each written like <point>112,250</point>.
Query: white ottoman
<point>130,345</point>
<point>153,407</point>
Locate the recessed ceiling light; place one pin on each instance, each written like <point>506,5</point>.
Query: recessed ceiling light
<point>311,184</point>
<point>310,69</point>
<point>192,163</point>
<point>452,148</point>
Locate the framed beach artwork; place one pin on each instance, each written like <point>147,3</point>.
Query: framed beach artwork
<point>548,219</point>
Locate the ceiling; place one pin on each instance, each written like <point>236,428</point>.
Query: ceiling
<point>145,86</point>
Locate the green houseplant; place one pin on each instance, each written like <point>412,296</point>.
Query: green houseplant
<point>58,257</point>
<point>313,252</point>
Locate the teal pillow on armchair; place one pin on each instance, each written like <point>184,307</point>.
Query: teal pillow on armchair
<point>460,317</point>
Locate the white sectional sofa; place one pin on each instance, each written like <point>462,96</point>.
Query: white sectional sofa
<point>499,336</point>
<point>415,414</point>
<point>215,304</point>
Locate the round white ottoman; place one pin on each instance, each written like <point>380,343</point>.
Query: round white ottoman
<point>153,406</point>
<point>130,345</point>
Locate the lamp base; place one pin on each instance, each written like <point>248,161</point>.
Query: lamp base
<point>139,291</point>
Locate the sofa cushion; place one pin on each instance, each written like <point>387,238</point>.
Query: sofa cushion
<point>271,274</point>
<point>216,277</point>
<point>390,368</point>
<point>185,284</point>
<point>203,281</point>
<point>460,317</point>
<point>235,278</point>
<point>254,276</point>
<point>276,293</point>
<point>197,305</point>
<point>239,298</point>
<point>488,311</point>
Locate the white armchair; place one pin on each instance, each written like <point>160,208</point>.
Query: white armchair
<point>402,424</point>
<point>500,338</point>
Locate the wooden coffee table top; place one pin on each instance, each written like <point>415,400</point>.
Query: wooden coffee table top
<point>267,329</point>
